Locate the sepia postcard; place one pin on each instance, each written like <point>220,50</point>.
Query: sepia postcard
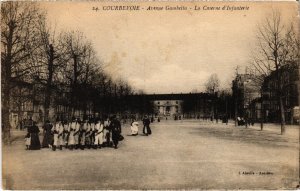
<point>150,95</point>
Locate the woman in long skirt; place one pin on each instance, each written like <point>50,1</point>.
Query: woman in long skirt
<point>58,130</point>
<point>48,136</point>
<point>71,140</point>
<point>134,128</point>
<point>66,133</point>
<point>34,137</point>
<point>116,131</point>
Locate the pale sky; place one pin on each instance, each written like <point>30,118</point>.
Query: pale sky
<point>168,51</point>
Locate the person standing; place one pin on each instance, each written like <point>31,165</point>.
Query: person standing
<point>92,135</point>
<point>98,134</point>
<point>107,132</point>
<point>83,129</point>
<point>88,133</point>
<point>116,130</point>
<point>71,130</point>
<point>66,133</point>
<point>146,128</point>
<point>48,136</point>
<point>134,128</point>
<point>58,136</point>
<point>27,139</point>
<point>33,132</point>
<point>55,129</point>
<point>76,133</point>
<point>61,135</point>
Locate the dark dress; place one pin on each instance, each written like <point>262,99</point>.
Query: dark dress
<point>34,136</point>
<point>116,131</point>
<point>48,136</point>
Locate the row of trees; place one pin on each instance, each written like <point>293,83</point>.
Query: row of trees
<point>63,65</point>
<point>276,53</point>
<point>277,47</point>
<point>221,98</point>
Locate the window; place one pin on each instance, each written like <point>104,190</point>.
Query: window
<point>158,103</point>
<point>176,102</point>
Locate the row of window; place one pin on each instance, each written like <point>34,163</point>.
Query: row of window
<point>167,102</point>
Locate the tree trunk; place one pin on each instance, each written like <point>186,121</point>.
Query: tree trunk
<point>5,113</point>
<point>282,116</point>
<point>261,112</point>
<point>47,102</point>
<point>6,78</point>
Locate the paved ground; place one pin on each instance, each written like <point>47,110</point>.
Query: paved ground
<point>179,155</point>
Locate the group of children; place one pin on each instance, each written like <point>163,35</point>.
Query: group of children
<point>79,134</point>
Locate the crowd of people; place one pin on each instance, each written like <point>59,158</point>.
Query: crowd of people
<point>81,134</point>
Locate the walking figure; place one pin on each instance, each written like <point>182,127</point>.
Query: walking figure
<point>146,129</point>
<point>116,131</point>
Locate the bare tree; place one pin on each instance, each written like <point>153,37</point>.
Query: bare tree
<point>213,83</point>
<point>49,60</point>
<point>212,87</point>
<point>18,42</point>
<point>276,47</point>
<point>77,49</point>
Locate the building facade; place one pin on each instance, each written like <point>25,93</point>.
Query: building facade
<point>289,93</point>
<point>168,107</point>
<point>245,92</point>
<point>192,105</point>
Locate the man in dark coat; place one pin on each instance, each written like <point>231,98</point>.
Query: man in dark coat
<point>116,130</point>
<point>146,128</point>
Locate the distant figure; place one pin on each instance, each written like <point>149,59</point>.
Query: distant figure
<point>252,121</point>
<point>99,127</point>
<point>33,134</point>
<point>92,134</point>
<point>66,134</point>
<point>27,140</point>
<point>146,128</point>
<point>71,131</point>
<point>77,133</point>
<point>48,136</point>
<point>88,132</point>
<point>158,119</point>
<point>21,124</point>
<point>58,130</point>
<point>134,128</point>
<point>107,132</point>
<point>116,130</point>
<point>152,119</point>
<point>240,121</point>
